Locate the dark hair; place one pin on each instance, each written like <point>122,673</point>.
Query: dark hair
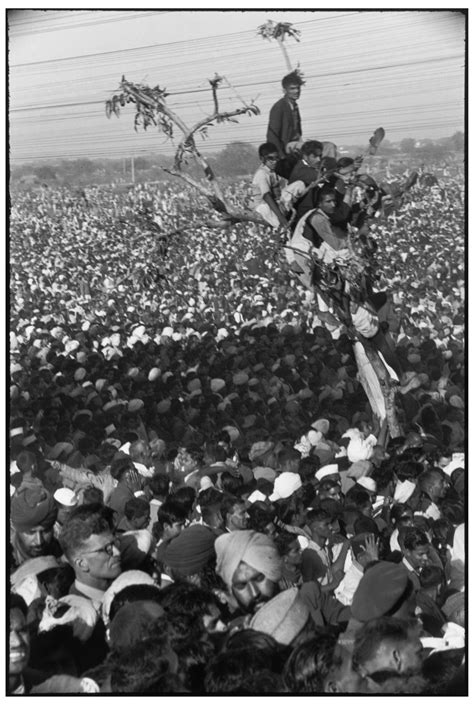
<point>397,511</point>
<point>81,524</point>
<point>57,581</point>
<point>260,515</point>
<point>230,483</point>
<point>369,638</point>
<point>432,576</point>
<point>318,513</point>
<point>266,149</point>
<point>120,466</point>
<point>413,538</point>
<point>135,508</point>
<point>159,484</point>
<point>293,78</point>
<point>283,540</point>
<point>366,524</point>
<point>227,671</point>
<point>324,191</point>
<point>17,602</point>
<point>408,470</point>
<point>309,663</point>
<point>170,512</point>
<point>141,667</point>
<point>26,461</point>
<point>185,496</point>
<point>357,497</point>
<point>286,455</point>
<point>134,593</point>
<point>260,682</point>
<point>312,147</point>
<point>185,598</point>
<point>228,502</point>
<point>344,161</point>
<point>327,484</point>
<point>308,468</point>
<point>92,495</point>
<point>426,478</point>
<point>213,449</point>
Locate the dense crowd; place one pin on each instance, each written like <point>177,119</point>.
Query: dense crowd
<point>202,499</point>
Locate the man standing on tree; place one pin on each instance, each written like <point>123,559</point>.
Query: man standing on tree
<point>284,125</point>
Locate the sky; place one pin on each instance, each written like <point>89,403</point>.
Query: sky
<point>400,69</point>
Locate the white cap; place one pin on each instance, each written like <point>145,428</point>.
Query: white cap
<point>457,461</point>
<point>326,470</point>
<point>285,484</point>
<point>368,483</point>
<point>256,496</point>
<point>66,497</point>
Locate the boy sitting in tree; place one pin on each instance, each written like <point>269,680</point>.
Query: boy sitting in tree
<point>266,187</point>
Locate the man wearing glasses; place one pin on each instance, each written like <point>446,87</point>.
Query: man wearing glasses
<point>90,547</point>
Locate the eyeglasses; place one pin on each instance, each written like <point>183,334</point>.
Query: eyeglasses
<point>108,548</point>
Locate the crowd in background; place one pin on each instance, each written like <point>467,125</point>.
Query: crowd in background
<point>201,498</point>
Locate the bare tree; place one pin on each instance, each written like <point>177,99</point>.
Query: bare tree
<point>152,110</point>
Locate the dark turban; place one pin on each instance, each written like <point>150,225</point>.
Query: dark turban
<point>189,552</point>
<point>32,507</point>
<point>382,590</point>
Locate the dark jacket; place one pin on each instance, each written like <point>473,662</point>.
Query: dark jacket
<point>284,125</point>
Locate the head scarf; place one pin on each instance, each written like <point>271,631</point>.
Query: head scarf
<point>255,549</point>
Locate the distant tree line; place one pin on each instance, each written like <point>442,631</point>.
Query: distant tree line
<point>236,159</point>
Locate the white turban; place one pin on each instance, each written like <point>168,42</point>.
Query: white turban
<point>255,549</point>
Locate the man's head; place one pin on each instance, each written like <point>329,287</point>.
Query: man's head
<point>171,518</point>
<point>387,647</point>
<point>121,468</point>
<point>210,505</point>
<point>312,151</point>
<point>140,452</point>
<point>32,514</point>
<point>291,84</point>
<point>319,522</point>
<point>250,566</point>
<point>159,485</point>
<point>327,200</point>
<point>288,460</point>
<point>137,511</point>
<point>234,513</point>
<point>19,643</point>
<point>268,154</point>
<point>329,489</point>
<point>89,546</point>
<point>27,463</point>
<point>401,515</point>
<point>345,167</point>
<point>415,546</point>
<point>359,498</point>
<point>434,483</point>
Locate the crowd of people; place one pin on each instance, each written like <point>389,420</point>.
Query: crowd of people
<point>202,499</point>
